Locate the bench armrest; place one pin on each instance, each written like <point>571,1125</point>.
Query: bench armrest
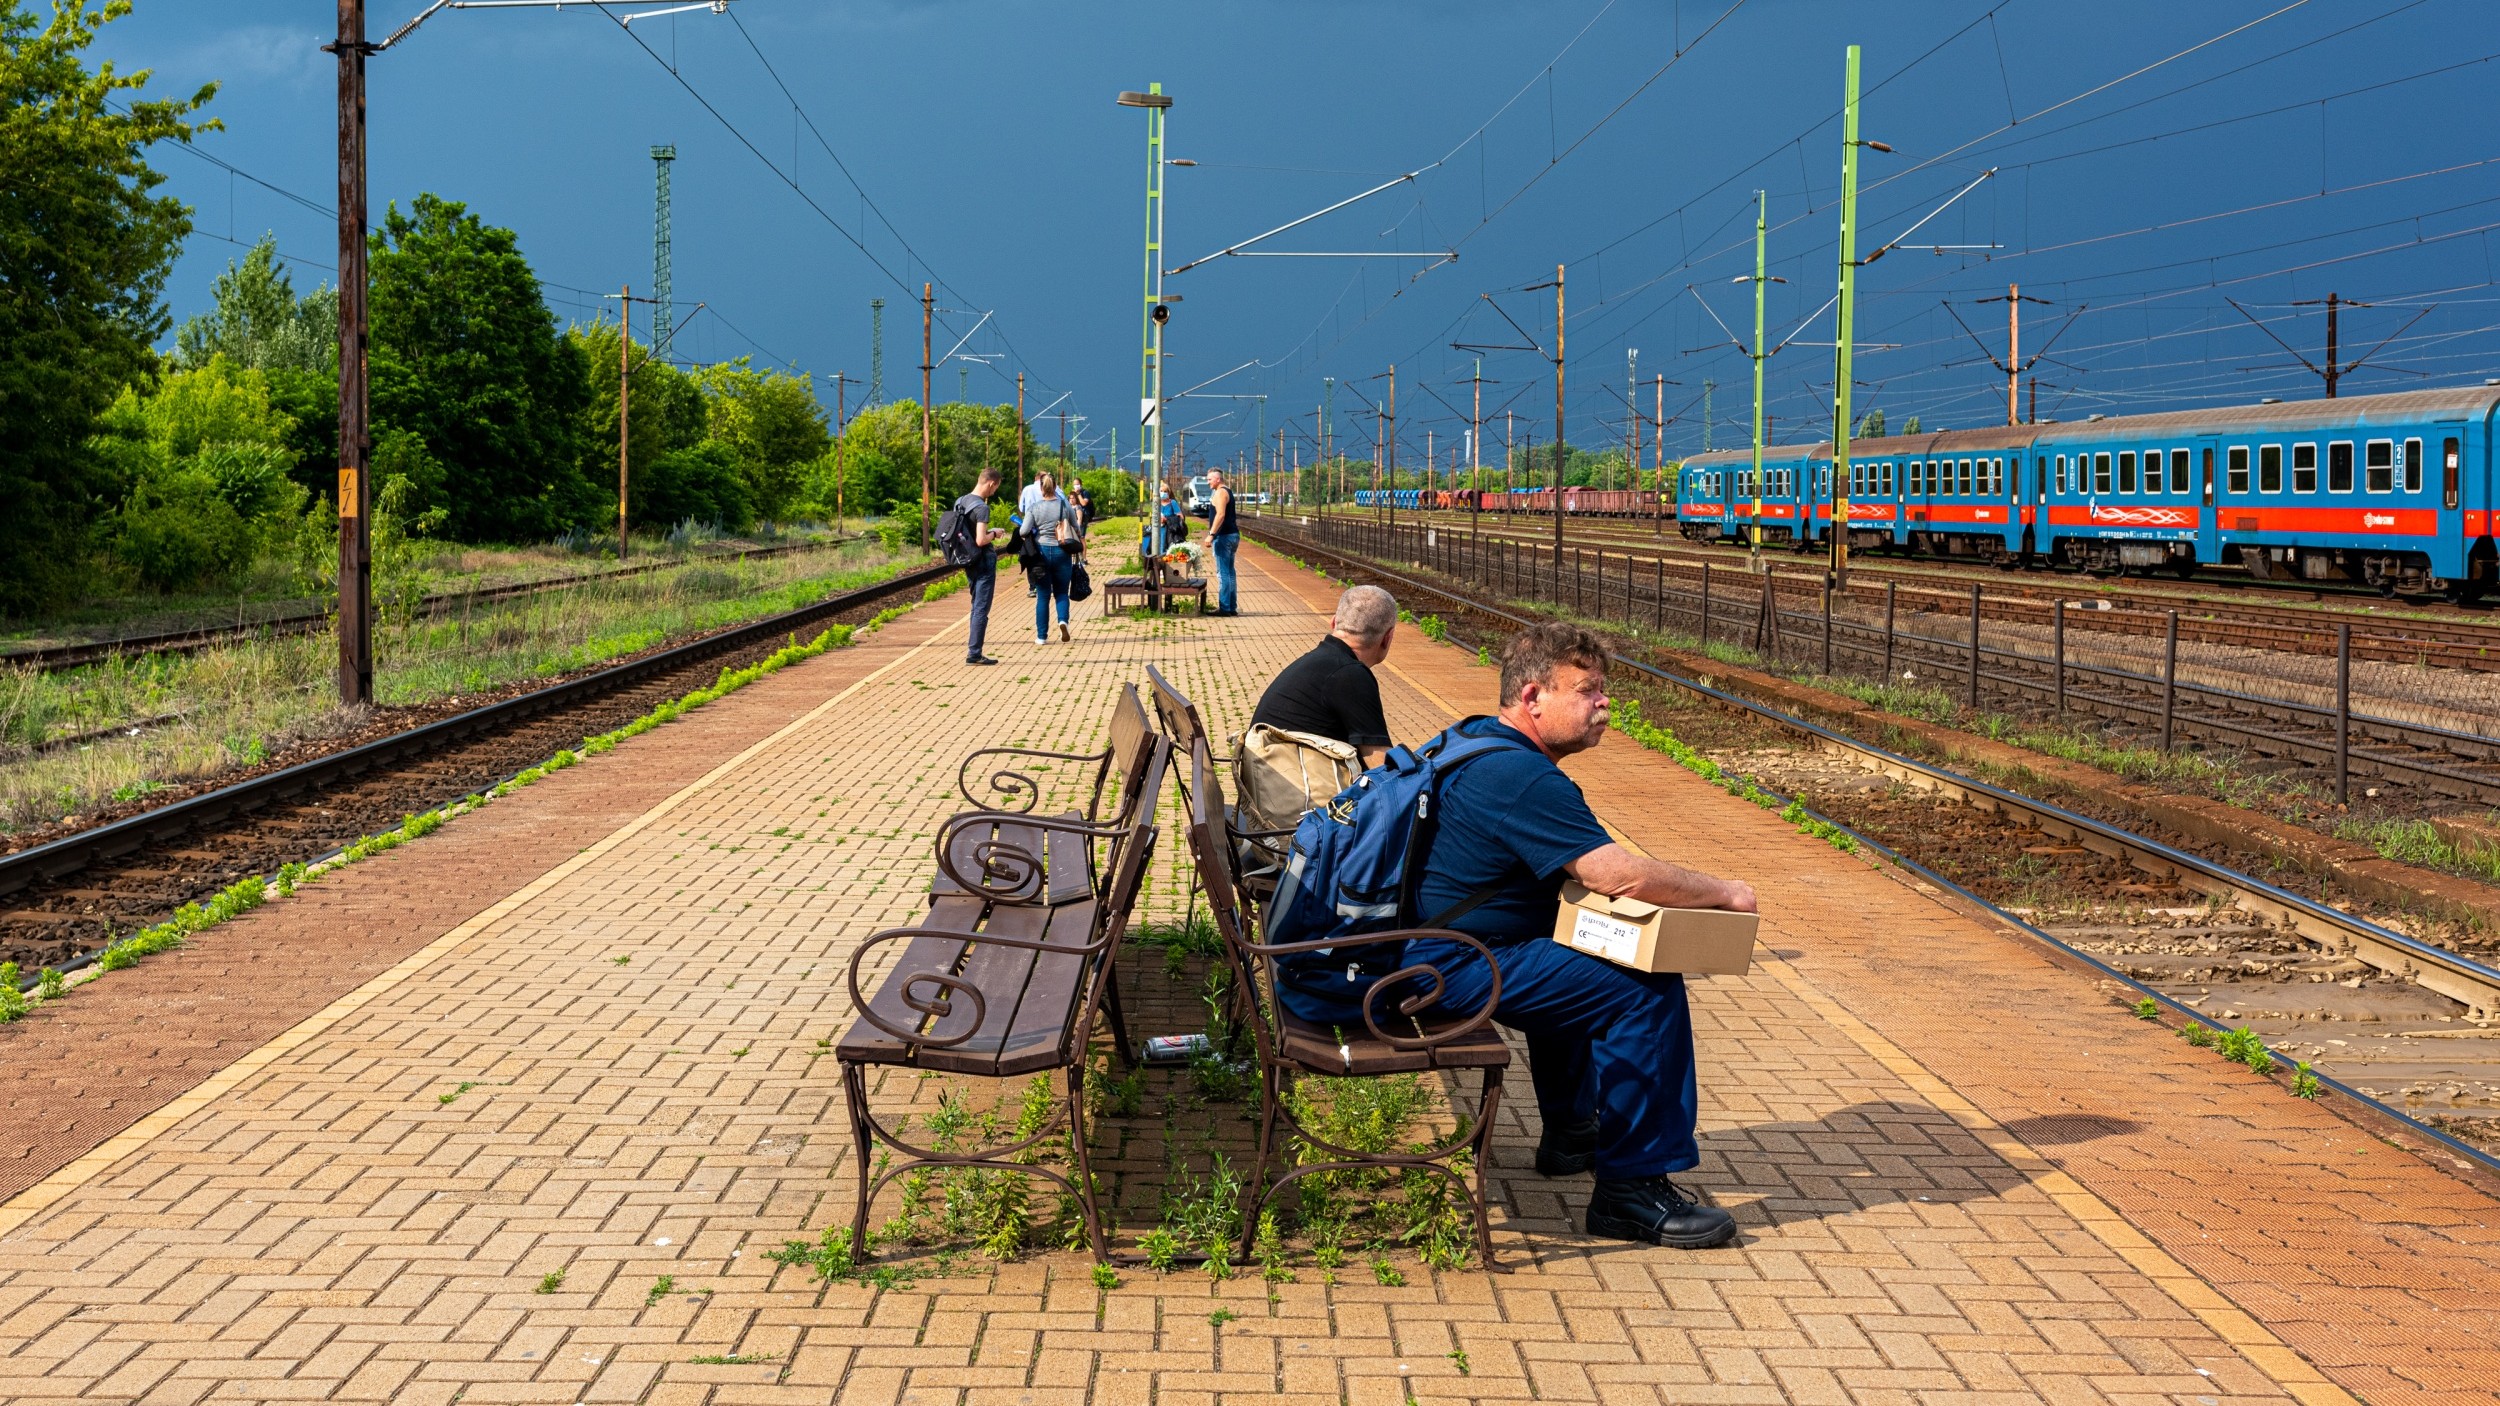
<point>1010,873</point>
<point>1013,786</point>
<point>1412,1004</point>
<point>948,985</point>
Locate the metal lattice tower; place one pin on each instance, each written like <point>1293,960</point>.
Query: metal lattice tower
<point>876,351</point>
<point>663,321</point>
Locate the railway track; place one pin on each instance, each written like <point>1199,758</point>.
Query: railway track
<point>67,897</point>
<point>2461,640</point>
<point>61,658</point>
<point>2446,761</point>
<point>2472,984</point>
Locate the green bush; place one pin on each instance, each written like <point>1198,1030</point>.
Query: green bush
<point>178,533</point>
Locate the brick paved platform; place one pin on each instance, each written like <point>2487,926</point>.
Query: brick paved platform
<point>1962,1172</point>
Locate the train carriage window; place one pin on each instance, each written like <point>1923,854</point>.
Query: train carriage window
<point>2179,471</point>
<point>2061,473</point>
<point>2235,471</point>
<point>2152,471</point>
<point>2126,471</point>
<point>2448,462</point>
<point>2413,466</point>
<point>2304,468</point>
<point>1889,466</point>
<point>2339,466</point>
<point>2379,462</point>
<point>2100,473</point>
<point>1964,479</point>
<point>2270,469</point>
<point>2039,477</point>
<point>1996,477</point>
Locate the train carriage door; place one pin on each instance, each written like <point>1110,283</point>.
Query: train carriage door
<point>2442,478</point>
<point>2208,516</point>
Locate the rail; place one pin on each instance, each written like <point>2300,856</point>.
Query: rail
<point>59,658</point>
<point>2460,978</point>
<point>75,852</point>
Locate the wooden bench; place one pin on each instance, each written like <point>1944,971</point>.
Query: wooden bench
<point>1156,589</point>
<point>1406,1037</point>
<point>992,840</point>
<point>1005,978</point>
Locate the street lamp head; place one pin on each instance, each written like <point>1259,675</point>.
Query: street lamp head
<point>1127,99</point>
<point>1877,146</point>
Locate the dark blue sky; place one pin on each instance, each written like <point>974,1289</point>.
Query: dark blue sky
<point>986,135</point>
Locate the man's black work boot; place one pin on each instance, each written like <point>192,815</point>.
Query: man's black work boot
<point>1653,1210</point>
<point>1566,1150</point>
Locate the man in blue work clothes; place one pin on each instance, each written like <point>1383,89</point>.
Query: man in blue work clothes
<point>1610,1050</point>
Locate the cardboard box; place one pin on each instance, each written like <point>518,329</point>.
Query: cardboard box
<point>1648,938</point>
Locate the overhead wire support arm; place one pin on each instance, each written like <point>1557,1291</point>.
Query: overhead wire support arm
<point>718,7</point>
<point>1232,249</point>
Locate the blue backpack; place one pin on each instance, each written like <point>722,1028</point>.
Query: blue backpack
<point>1357,863</point>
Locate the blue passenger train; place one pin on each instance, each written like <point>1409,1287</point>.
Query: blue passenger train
<point>2391,491</point>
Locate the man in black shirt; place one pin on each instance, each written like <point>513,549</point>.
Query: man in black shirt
<point>1330,691</point>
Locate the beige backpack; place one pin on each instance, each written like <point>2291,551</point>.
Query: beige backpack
<point>1277,775</point>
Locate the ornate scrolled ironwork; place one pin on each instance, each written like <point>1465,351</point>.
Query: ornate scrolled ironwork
<point>1015,793</point>
<point>1011,873</point>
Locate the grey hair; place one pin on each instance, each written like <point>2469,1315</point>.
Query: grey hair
<point>1368,613</point>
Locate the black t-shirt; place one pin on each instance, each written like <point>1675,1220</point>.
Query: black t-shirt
<point>1328,692</point>
<point>1226,522</point>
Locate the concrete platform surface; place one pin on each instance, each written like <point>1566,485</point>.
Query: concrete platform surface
<point>1963,1172</point>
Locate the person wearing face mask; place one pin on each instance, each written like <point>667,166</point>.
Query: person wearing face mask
<point>1610,1050</point>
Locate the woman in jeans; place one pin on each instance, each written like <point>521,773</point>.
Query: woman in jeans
<point>1059,531</point>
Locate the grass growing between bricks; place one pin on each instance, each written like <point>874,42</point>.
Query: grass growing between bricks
<point>248,894</point>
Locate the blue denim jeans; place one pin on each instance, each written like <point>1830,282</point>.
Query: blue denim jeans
<point>982,578</point>
<point>1051,584</point>
<point>1227,593</point>
<point>1603,1041</point>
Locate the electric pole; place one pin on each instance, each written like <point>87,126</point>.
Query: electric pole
<point>1631,415</point>
<point>355,443</point>
<point>624,398</point>
<point>928,314</point>
<point>1761,280</point>
<point>1658,484</point>
<point>841,448</point>
<point>1558,422</point>
<point>663,280</point>
<point>876,351</point>
<point>1019,433</point>
<point>1837,574</point>
<point>1389,445</point>
<point>1475,454</point>
<point>2012,366</point>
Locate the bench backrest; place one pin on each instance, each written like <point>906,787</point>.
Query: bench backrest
<point>1180,717</point>
<point>1132,739</point>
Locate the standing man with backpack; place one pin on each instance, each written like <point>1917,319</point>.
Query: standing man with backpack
<point>964,534</point>
<point>1498,826</point>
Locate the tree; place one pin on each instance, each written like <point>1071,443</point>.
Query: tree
<point>1910,425</point>
<point>1872,427</point>
<point>774,422</point>
<point>700,483</point>
<point>466,356</point>
<point>258,322</point>
<point>85,247</point>
<point>667,415</point>
<point>205,454</point>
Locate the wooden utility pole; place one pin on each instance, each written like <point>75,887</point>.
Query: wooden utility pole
<point>624,400</point>
<point>355,492</point>
<point>928,314</point>
<point>841,450</point>
<point>2013,365</point>
<point>1019,432</point>
<point>1658,481</point>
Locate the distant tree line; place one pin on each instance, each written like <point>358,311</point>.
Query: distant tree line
<point>179,470</point>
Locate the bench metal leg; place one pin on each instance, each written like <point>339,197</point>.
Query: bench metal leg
<point>1119,1022</point>
<point>855,1097</point>
<point>1083,1157</point>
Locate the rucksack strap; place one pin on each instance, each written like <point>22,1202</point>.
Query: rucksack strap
<point>1463,907</point>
